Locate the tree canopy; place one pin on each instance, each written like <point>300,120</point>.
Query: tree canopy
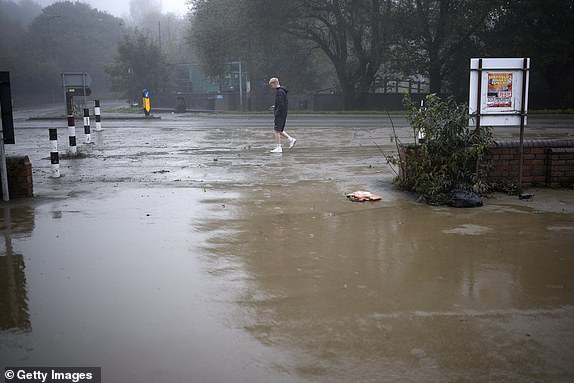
<point>543,31</point>
<point>365,39</point>
<point>138,65</point>
<point>437,30</point>
<point>222,31</point>
<point>345,46</point>
<point>64,37</point>
<point>352,34</point>
<point>37,45</point>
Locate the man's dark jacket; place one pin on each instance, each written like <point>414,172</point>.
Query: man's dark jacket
<point>281,106</point>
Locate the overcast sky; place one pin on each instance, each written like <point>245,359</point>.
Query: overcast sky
<point>121,8</point>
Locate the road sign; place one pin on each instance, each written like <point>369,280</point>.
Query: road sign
<point>76,84</point>
<point>76,79</point>
<point>6,107</point>
<point>146,102</point>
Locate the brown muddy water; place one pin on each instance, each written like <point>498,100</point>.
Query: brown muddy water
<point>180,250</point>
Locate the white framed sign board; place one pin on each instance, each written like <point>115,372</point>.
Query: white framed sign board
<point>498,91</point>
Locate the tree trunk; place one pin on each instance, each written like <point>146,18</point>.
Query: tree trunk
<point>348,88</point>
<point>435,77</point>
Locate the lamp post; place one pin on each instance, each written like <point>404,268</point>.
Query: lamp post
<point>51,51</point>
<point>240,82</point>
<point>240,87</point>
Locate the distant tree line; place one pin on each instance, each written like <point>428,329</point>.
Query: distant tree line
<point>312,43</point>
<point>343,46</point>
<point>38,44</point>
<point>63,37</point>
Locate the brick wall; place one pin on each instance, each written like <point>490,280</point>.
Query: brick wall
<point>20,182</point>
<point>545,162</point>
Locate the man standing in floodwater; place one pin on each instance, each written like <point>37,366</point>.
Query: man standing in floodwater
<point>280,111</point>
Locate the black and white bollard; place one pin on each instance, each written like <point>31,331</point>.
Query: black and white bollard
<point>421,136</point>
<point>54,155</point>
<point>97,112</point>
<point>72,134</point>
<point>87,126</point>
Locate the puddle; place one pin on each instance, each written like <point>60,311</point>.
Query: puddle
<point>120,282</point>
<point>191,254</point>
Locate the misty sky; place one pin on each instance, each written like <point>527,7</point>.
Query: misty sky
<point>121,8</point>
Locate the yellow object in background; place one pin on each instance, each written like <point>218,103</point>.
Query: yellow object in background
<point>146,102</point>
<point>147,105</point>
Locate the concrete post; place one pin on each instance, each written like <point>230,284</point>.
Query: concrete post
<point>54,155</point>
<point>87,126</point>
<point>72,134</point>
<point>98,116</point>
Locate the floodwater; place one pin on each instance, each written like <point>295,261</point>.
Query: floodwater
<point>180,250</point>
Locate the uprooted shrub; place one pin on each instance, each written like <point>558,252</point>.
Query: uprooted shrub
<point>452,156</point>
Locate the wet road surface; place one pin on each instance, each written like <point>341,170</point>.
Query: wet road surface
<point>181,250</point>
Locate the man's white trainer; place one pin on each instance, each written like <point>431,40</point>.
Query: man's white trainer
<point>292,142</point>
<point>277,149</point>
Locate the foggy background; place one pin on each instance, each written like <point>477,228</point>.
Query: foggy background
<point>122,8</point>
<point>350,55</point>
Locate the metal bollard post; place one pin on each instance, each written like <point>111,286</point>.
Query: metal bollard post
<point>72,134</point>
<point>87,125</point>
<point>54,156</point>
<point>421,136</point>
<point>98,117</point>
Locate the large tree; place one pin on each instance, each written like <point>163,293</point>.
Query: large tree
<point>435,32</point>
<point>431,38</point>
<point>353,34</point>
<point>218,33</point>
<point>544,32</point>
<point>240,30</point>
<point>138,65</point>
<point>65,37</point>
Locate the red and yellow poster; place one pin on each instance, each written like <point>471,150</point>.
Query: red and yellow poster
<point>499,90</point>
